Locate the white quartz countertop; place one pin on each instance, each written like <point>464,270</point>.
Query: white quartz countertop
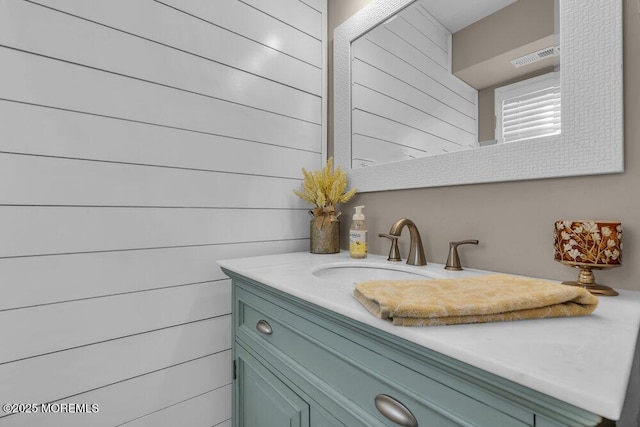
<point>585,361</point>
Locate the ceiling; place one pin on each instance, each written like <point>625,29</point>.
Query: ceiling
<point>457,14</point>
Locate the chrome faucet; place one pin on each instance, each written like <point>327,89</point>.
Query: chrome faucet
<point>416,251</point>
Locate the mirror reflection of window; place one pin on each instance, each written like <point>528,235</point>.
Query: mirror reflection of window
<point>528,109</point>
<point>423,82</point>
<point>516,43</point>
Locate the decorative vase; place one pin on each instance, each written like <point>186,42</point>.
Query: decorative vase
<point>324,235</point>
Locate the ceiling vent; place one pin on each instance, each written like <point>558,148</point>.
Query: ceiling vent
<point>536,56</point>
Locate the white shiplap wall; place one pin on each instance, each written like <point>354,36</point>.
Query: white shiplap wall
<point>139,143</point>
<point>405,101</point>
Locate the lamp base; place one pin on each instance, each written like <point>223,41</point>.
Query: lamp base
<point>595,288</point>
<point>587,280</point>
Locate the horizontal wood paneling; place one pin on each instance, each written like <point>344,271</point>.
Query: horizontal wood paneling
<point>125,401</point>
<point>47,131</point>
<point>164,308</point>
<point>114,184</point>
<point>34,79</point>
<point>256,25</point>
<point>416,59</point>
<point>199,411</point>
<point>294,12</point>
<point>30,281</point>
<point>314,4</point>
<point>71,372</point>
<point>51,230</point>
<point>403,31</point>
<point>398,90</point>
<point>373,55</point>
<point>412,115</point>
<point>160,23</point>
<point>422,20</point>
<point>404,97</point>
<point>83,42</point>
<point>370,148</point>
<point>139,143</point>
<point>390,130</point>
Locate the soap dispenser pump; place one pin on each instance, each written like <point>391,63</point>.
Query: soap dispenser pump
<point>358,235</point>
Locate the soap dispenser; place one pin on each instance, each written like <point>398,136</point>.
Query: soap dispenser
<point>358,235</point>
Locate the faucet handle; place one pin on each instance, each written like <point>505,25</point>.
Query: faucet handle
<point>453,260</point>
<point>394,252</point>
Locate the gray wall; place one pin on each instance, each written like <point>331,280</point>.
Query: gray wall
<point>514,220</point>
<point>139,142</point>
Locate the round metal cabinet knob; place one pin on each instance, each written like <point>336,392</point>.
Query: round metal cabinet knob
<point>264,327</point>
<point>395,411</point>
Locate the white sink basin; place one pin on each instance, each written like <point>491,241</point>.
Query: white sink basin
<point>356,273</point>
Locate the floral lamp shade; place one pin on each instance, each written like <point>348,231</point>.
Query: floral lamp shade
<point>589,245</point>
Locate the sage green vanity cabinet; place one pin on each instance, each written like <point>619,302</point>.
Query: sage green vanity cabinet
<point>298,364</point>
<point>265,400</point>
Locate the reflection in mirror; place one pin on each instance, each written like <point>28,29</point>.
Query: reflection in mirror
<point>424,82</point>
<point>591,141</point>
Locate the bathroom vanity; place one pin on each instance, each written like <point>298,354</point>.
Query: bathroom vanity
<point>306,353</point>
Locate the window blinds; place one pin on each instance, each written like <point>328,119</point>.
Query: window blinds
<point>529,110</point>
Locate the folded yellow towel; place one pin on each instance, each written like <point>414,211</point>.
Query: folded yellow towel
<point>479,299</point>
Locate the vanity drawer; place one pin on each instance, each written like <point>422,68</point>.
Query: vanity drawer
<point>359,375</point>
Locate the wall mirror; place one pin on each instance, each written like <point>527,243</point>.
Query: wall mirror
<point>371,122</point>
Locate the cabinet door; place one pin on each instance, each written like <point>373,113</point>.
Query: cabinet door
<point>261,399</point>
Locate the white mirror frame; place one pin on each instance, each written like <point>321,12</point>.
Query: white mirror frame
<point>592,110</point>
